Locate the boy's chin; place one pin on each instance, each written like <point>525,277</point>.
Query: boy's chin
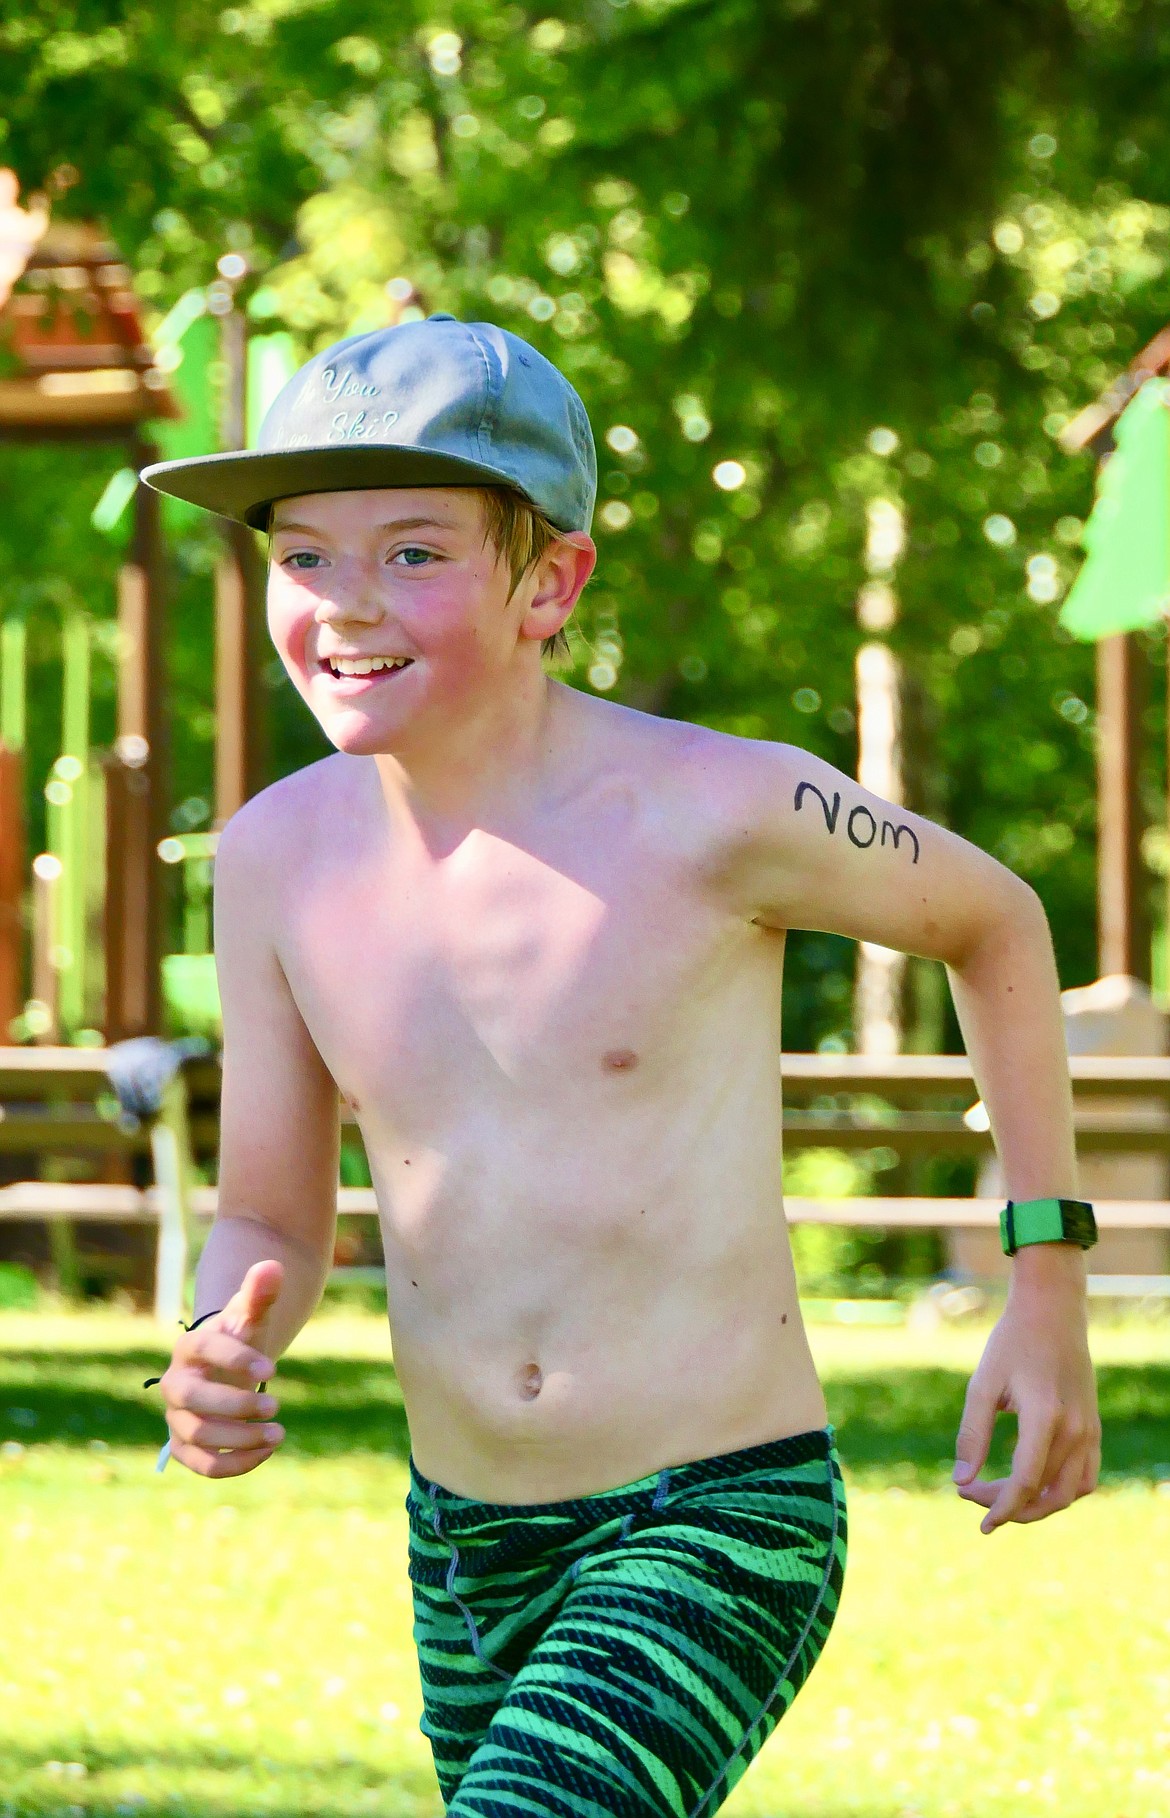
<point>347,734</point>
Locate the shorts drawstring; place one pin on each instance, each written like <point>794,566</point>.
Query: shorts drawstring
<point>452,1571</point>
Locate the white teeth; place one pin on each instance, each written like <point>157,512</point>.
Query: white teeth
<point>366,665</point>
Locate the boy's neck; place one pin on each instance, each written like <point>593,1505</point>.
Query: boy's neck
<point>479,772</point>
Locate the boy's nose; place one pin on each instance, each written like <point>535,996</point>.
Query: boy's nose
<point>359,604</point>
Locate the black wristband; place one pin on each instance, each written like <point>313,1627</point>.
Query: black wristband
<point>151,1380</point>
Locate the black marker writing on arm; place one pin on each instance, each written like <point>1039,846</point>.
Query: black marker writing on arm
<point>855,823</point>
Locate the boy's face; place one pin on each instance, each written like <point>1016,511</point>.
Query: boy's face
<point>396,573</point>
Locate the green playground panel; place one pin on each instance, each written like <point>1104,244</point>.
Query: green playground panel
<point>1124,582</point>
<point>191,995</point>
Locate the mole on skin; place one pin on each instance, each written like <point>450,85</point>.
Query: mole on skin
<point>531,1381</point>
<point>619,1060</point>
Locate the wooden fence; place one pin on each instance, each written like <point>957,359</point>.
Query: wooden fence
<point>61,1103</point>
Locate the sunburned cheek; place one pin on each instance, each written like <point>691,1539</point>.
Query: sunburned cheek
<point>460,659</point>
<point>289,634</point>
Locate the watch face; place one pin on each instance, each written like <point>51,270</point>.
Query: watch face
<point>1080,1226</point>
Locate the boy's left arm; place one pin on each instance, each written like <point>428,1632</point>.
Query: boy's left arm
<point>806,847</point>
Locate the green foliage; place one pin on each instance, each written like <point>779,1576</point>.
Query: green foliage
<point>191,996</point>
<point>853,1259</point>
<point>19,1292</point>
<point>752,236</point>
<point>355,1169</point>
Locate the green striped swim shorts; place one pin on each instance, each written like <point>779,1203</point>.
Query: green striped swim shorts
<point>624,1654</point>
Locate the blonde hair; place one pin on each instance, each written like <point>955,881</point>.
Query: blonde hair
<point>521,534</point>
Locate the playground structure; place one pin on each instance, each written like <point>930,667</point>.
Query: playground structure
<point>83,923</point>
<point>1123,923</point>
<point>82,926</point>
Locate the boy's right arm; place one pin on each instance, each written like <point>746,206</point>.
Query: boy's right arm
<point>278,1170</point>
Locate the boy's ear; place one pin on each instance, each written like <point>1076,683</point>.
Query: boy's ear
<point>559,579</point>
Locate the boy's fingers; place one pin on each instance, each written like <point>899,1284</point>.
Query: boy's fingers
<point>253,1299</point>
<point>974,1435</point>
<point>206,1463</point>
<point>1037,1425</point>
<point>203,1395</point>
<point>219,1350</point>
<point>1092,1470</point>
<point>1060,1492</point>
<point>238,1435</point>
<point>982,1493</point>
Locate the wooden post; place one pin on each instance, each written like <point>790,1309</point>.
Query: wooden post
<point>1123,933</point>
<point>239,611</point>
<point>170,1142</point>
<point>13,835</point>
<point>234,347</point>
<point>45,932</point>
<point>137,810</point>
<point>239,652</point>
<point>128,1008</point>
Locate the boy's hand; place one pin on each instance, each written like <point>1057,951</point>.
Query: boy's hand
<point>1036,1364</point>
<point>219,1426</point>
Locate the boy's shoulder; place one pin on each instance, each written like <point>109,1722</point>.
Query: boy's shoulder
<point>270,822</point>
<point>724,771</point>
<point>721,795</point>
<point>738,757</point>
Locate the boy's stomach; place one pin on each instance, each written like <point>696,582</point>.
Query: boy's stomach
<point>535,1368</point>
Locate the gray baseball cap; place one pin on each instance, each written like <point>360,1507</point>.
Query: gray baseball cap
<point>433,403</point>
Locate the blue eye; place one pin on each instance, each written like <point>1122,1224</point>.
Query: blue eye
<point>408,555</point>
<point>303,559</point>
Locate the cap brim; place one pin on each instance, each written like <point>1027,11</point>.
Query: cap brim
<point>244,485</point>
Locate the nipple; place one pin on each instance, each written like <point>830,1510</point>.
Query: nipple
<point>531,1381</point>
<point>619,1060</point>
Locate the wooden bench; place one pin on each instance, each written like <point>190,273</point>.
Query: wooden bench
<point>928,1106</point>
<point>61,1102</point>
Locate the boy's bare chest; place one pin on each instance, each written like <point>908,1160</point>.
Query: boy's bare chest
<point>421,983</point>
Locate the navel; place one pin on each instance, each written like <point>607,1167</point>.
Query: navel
<point>619,1060</point>
<point>531,1381</point>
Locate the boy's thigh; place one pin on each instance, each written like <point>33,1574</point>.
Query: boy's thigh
<point>670,1663</point>
<point>461,1691</point>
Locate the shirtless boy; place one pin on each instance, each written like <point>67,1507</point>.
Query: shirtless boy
<point>536,940</point>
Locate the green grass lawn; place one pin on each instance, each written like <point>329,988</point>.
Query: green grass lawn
<point>170,1645</point>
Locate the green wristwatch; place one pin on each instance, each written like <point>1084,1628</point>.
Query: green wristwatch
<point>1046,1221</point>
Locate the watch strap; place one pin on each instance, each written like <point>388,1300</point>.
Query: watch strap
<point>1046,1221</point>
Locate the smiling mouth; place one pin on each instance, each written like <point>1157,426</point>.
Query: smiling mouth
<point>373,675</point>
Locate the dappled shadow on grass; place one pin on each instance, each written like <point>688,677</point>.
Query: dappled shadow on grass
<point>250,1781</point>
<point>327,1405</point>
<point>900,1426</point>
<point>895,1426</point>
<point>254,1784</point>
